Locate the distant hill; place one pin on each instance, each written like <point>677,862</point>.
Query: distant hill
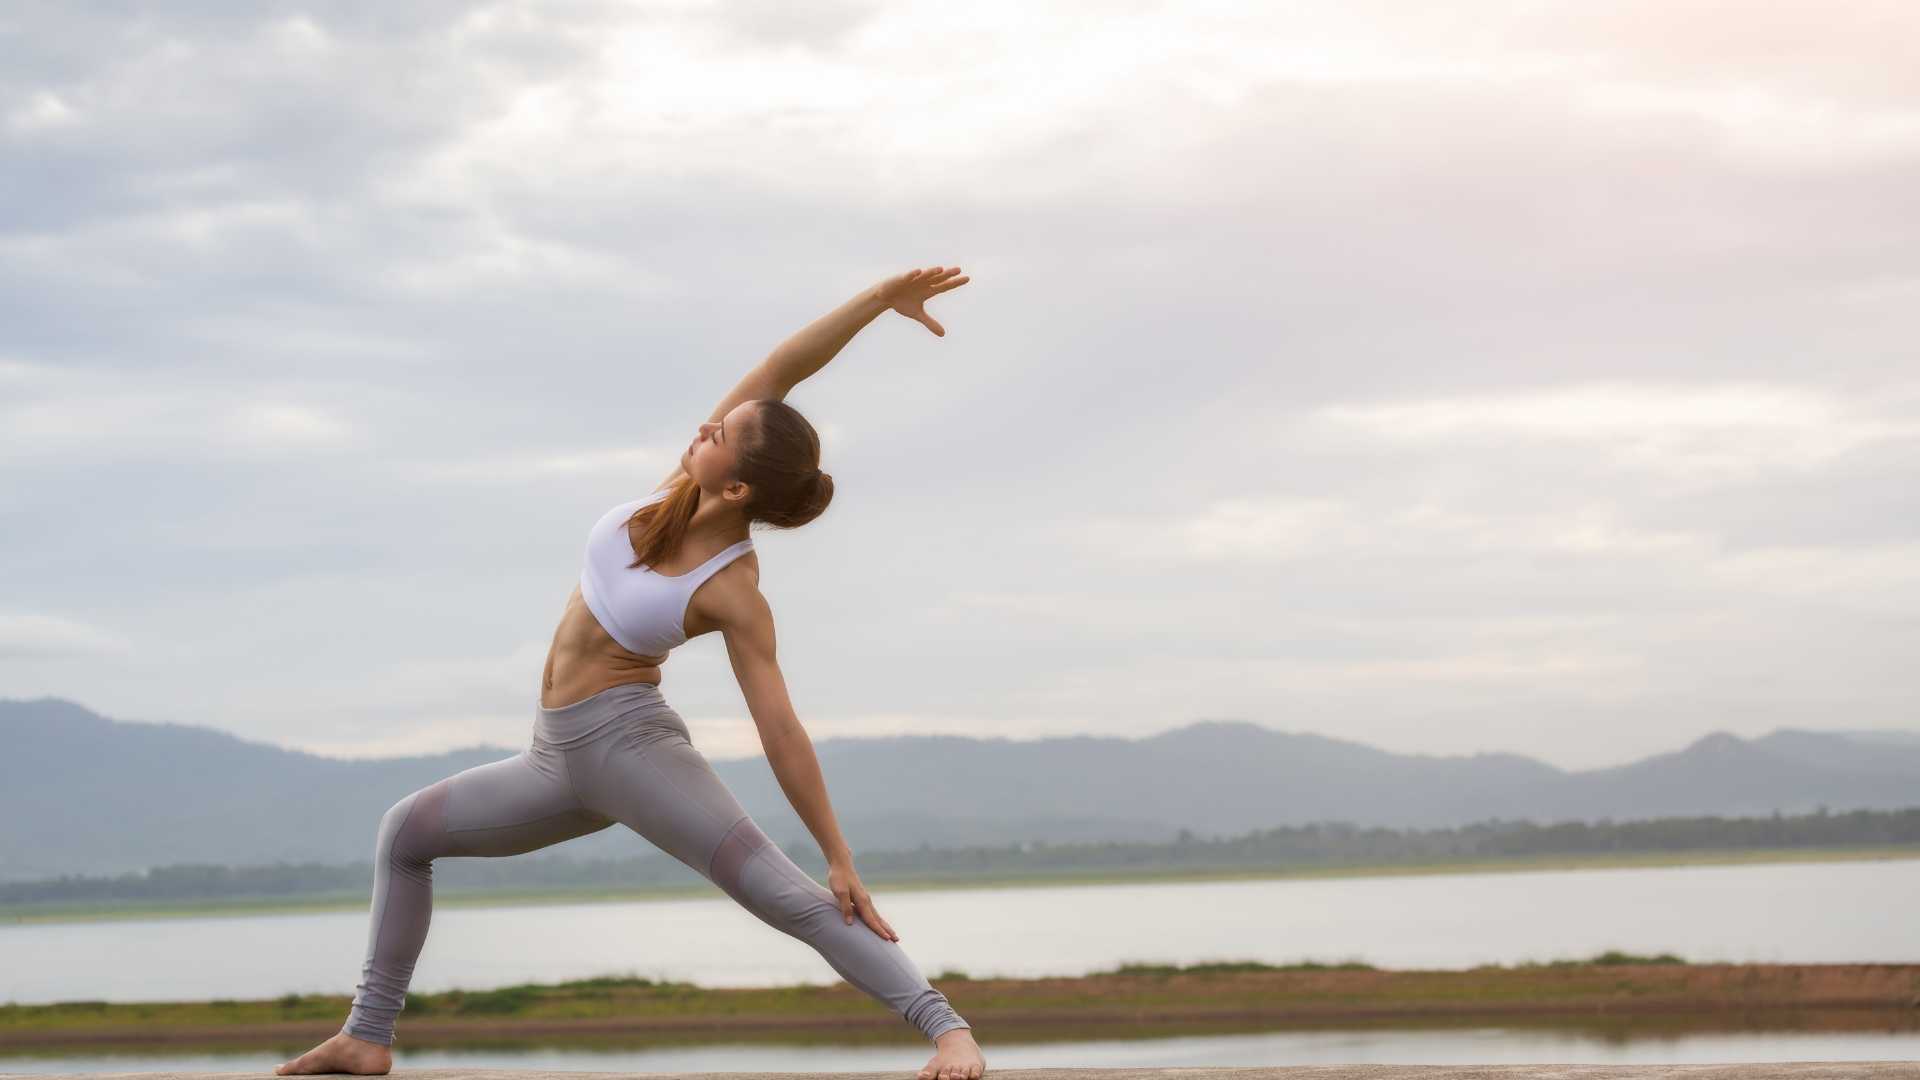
<point>83,794</point>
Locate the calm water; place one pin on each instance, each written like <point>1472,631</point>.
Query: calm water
<point>1489,1045</point>
<point>1827,912</point>
<point>1783,912</point>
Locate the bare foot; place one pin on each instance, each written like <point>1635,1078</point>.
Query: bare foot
<point>341,1054</point>
<point>955,1057</point>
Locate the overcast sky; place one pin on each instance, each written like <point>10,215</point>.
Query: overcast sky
<point>1449,377</point>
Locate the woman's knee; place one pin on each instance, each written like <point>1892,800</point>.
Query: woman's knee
<point>410,830</point>
<point>754,871</point>
<point>802,905</point>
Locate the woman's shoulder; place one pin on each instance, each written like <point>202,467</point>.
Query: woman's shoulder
<point>744,567</point>
<point>731,598</point>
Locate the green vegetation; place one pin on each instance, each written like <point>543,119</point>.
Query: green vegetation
<point>105,910</point>
<point>1613,991</point>
<point>633,995</point>
<point>1222,967</point>
<point>1313,850</point>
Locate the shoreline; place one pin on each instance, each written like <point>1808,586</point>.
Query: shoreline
<point>1631,996</point>
<point>70,912</point>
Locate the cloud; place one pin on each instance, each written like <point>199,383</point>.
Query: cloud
<point>638,465</point>
<point>270,424</point>
<point>1711,432</point>
<point>1264,528</point>
<point>1545,370</point>
<point>1281,531</point>
<point>1582,529</point>
<point>967,609</point>
<point>43,111</point>
<point>1882,578</point>
<point>26,635</point>
<point>1768,127</point>
<point>65,414</point>
<point>448,701</point>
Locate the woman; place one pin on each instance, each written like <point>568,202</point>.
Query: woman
<point>606,746</point>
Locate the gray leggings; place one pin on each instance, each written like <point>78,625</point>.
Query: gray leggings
<point>622,755</point>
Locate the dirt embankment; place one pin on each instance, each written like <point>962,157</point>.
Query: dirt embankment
<point>1623,998</point>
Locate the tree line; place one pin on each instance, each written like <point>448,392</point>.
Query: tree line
<point>1313,845</point>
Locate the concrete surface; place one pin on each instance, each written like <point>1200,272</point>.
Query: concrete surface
<point>1792,1070</point>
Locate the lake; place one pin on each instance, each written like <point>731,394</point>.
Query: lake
<point>1815,912</point>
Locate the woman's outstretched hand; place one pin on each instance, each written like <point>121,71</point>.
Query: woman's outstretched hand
<point>908,293</point>
<point>847,889</point>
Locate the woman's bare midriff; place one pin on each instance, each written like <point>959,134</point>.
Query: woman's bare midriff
<point>584,659</point>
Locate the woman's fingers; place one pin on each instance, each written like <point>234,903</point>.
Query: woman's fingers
<point>872,916</point>
<point>907,292</point>
<point>930,275</point>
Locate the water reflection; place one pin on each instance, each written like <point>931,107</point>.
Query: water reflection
<point>1600,1043</point>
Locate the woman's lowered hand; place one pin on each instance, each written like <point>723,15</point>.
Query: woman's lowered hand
<point>852,895</point>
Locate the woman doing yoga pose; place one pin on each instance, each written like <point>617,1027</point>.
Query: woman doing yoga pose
<point>606,747</point>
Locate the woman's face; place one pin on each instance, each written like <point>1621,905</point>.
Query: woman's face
<point>713,456</point>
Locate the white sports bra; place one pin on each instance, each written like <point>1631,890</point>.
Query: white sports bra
<point>645,612</point>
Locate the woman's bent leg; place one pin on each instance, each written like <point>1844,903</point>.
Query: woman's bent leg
<point>651,779</point>
<point>505,807</point>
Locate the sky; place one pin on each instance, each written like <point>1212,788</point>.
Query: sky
<point>1455,378</point>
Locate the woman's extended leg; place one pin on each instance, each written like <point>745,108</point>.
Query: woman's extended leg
<point>506,807</point>
<point>649,777</point>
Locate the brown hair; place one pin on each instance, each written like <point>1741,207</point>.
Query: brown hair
<point>779,459</point>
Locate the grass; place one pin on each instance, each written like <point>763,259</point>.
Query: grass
<point>626,994</point>
<point>1622,987</point>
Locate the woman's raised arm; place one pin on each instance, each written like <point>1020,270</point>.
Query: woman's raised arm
<point>809,349</point>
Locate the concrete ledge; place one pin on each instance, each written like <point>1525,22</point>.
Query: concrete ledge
<point>1789,1070</point>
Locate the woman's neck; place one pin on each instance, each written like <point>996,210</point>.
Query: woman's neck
<point>714,519</point>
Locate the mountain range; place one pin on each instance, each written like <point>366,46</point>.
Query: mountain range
<point>85,794</point>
